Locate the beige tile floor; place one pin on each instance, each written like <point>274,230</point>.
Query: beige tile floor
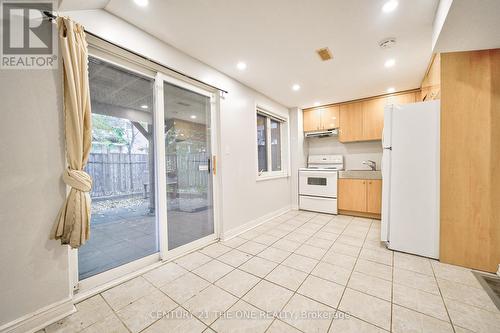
<point>301,272</point>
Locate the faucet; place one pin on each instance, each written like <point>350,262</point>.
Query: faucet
<point>371,164</point>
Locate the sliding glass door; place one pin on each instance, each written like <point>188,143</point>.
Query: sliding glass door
<point>153,170</point>
<point>123,226</point>
<point>189,166</point>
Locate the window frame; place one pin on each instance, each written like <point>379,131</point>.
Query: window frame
<point>283,129</point>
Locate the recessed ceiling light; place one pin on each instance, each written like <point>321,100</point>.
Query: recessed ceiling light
<point>391,90</point>
<point>193,117</point>
<point>389,63</point>
<point>241,66</point>
<point>144,106</point>
<point>389,6</point>
<point>142,3</point>
<point>317,103</point>
<point>296,87</point>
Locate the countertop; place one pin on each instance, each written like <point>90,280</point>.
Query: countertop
<point>360,174</point>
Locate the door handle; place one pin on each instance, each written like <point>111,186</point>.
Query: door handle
<point>214,164</point>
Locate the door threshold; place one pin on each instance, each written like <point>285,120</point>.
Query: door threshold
<point>81,295</point>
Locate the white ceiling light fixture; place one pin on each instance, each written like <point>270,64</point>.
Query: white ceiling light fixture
<point>389,63</point>
<point>141,3</point>
<point>389,6</point>
<point>391,90</point>
<point>387,43</point>
<point>296,87</point>
<point>193,117</point>
<point>144,106</point>
<point>241,66</point>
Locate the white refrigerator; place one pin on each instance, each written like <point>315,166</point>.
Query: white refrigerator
<point>410,178</point>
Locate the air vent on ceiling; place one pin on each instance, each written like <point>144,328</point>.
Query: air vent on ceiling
<point>387,43</point>
<point>325,54</point>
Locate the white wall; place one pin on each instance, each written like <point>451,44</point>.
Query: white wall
<point>354,152</point>
<point>34,269</point>
<point>298,152</point>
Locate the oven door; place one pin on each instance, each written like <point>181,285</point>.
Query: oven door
<point>318,183</point>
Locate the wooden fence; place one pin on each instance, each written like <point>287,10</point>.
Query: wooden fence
<point>117,174</point>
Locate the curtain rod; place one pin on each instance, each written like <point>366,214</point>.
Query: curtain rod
<point>51,16</point>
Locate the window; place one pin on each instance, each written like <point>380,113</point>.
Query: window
<point>262,142</point>
<point>269,144</point>
<point>275,145</point>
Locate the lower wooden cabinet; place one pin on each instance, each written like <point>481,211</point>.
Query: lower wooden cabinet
<point>374,196</point>
<point>352,194</point>
<point>363,196</point>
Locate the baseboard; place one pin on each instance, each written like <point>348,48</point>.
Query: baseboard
<point>360,214</point>
<point>39,319</point>
<point>253,223</point>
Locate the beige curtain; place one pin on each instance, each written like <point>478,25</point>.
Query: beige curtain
<point>73,222</point>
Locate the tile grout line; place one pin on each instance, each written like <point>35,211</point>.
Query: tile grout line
<point>261,278</point>
<point>295,292</point>
<point>352,271</point>
<point>253,256</point>
<point>442,298</point>
<point>350,275</point>
<point>114,312</point>
<point>215,258</point>
<point>304,222</point>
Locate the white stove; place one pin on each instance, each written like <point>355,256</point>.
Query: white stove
<point>318,183</point>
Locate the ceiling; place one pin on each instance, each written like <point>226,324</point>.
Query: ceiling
<point>277,40</point>
<point>117,92</point>
<point>469,26</point>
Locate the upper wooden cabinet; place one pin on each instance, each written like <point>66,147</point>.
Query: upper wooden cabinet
<point>312,120</point>
<point>406,98</point>
<point>373,118</point>
<point>330,117</point>
<point>322,118</point>
<point>351,122</point>
<point>357,121</point>
<point>364,120</point>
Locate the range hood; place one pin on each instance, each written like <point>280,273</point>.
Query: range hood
<point>322,134</point>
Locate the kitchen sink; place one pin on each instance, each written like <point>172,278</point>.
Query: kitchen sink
<point>361,174</point>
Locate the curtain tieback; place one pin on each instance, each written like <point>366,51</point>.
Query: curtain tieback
<point>78,179</point>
